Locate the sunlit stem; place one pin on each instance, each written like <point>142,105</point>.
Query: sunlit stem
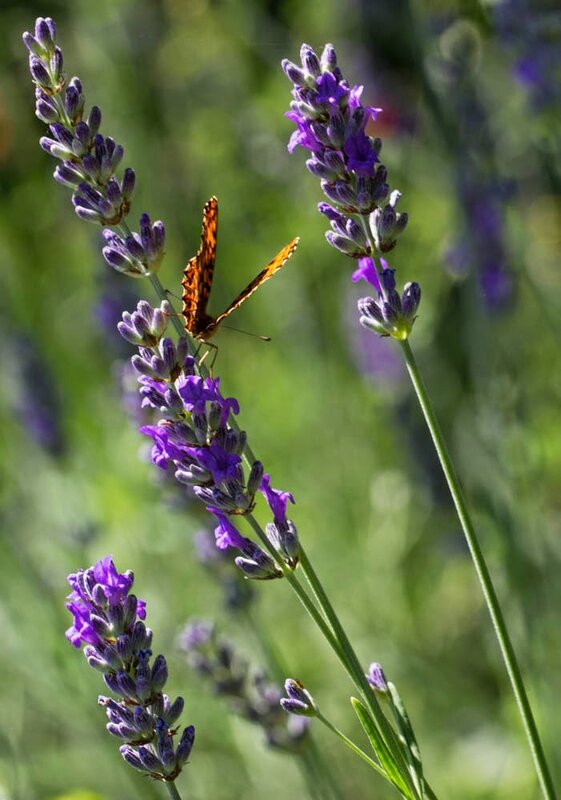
<point>499,625</point>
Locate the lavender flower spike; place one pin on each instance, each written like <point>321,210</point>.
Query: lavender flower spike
<point>89,160</point>
<point>332,123</point>
<point>192,437</point>
<point>109,621</point>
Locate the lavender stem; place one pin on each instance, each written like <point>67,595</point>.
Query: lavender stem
<point>500,628</point>
<point>172,791</point>
<point>335,635</point>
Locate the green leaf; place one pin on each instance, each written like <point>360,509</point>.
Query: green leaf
<point>382,753</point>
<point>408,734</point>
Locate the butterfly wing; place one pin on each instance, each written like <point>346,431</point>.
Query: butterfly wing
<point>197,276</point>
<point>278,261</point>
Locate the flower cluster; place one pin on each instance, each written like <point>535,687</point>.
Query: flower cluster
<point>193,437</point>
<point>298,700</point>
<point>249,693</point>
<point>390,314</point>
<point>109,621</point>
<point>332,123</point>
<point>89,159</point>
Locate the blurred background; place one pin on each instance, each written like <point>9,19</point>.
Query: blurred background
<point>194,91</point>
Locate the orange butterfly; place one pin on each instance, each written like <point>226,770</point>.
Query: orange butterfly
<point>198,274</point>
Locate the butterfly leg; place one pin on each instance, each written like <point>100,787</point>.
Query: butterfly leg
<point>204,356</point>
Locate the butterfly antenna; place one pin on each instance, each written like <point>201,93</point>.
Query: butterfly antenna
<point>248,333</point>
<point>172,294</point>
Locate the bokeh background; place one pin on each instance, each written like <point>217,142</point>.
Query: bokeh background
<point>194,91</point>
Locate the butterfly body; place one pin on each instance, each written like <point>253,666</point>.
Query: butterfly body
<point>199,272</point>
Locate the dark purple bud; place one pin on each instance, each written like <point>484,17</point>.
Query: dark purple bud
<point>319,129</point>
<point>299,701</point>
<point>356,233</point>
<point>126,687</point>
<point>114,193</point>
<point>100,626</point>
<point>128,184</point>
<point>132,757</point>
<point>34,47</point>
<point>149,759</point>
<point>124,647</point>
<point>293,73</point>
<point>94,120</point>
<point>95,661</point>
<point>368,307</point>
<point>328,58</point>
<point>334,161</point>
<point>174,711</point>
<point>255,478</point>
<point>56,64</point>
<point>185,745</point>
<point>74,100</point>
<point>410,300</point>
<point>143,723</point>
<point>68,174</point>
<point>332,214</point>
<point>345,245</point>
<point>320,170</point>
<point>337,129</point>
<point>159,674</point>
<point>121,263</point>
<point>388,279</point>
<point>45,33</point>
<point>122,730</point>
<point>46,110</point>
<point>39,72</point>
<point>141,637</point>
<point>391,307</point>
<point>310,61</point>
<point>356,122</point>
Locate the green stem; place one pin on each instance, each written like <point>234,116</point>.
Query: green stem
<point>352,746</point>
<point>483,575</point>
<point>299,589</point>
<point>172,791</point>
<point>337,639</point>
<point>357,672</point>
<point>313,766</point>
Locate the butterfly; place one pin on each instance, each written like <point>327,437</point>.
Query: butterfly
<point>198,274</point>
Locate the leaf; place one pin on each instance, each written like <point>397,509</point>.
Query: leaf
<point>382,753</point>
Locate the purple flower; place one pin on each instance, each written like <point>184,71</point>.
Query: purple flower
<point>192,436</point>
<point>367,272</point>
<point>376,678</point>
<point>360,155</point>
<point>221,464</point>
<point>226,534</point>
<point>108,620</point>
<point>331,121</point>
<point>89,160</point>
<point>276,499</point>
